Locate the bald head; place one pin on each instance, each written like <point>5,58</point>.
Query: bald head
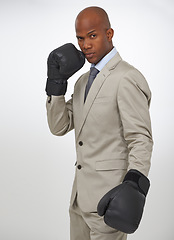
<point>95,14</point>
<point>94,33</point>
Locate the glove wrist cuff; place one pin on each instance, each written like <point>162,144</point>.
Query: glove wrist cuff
<point>56,87</point>
<point>140,179</point>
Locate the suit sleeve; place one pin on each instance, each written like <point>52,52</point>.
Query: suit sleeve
<point>59,115</point>
<point>133,101</point>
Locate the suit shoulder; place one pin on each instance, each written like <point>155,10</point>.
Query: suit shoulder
<point>132,75</point>
<point>125,67</point>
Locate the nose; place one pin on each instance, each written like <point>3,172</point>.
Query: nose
<point>86,45</point>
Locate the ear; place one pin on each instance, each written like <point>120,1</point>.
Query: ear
<point>110,34</point>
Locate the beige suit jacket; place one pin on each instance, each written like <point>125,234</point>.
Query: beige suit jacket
<point>112,129</point>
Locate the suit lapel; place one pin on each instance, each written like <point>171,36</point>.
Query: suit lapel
<point>84,108</point>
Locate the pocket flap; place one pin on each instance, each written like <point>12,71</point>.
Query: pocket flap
<point>105,165</point>
<point>102,99</point>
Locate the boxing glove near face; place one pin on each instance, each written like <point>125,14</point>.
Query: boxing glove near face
<point>123,206</point>
<point>62,63</point>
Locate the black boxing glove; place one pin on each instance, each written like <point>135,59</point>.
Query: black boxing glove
<point>62,63</point>
<point>123,206</point>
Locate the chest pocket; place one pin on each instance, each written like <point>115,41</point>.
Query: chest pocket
<point>103,112</point>
<point>102,100</point>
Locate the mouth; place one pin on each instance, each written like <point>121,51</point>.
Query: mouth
<point>89,55</point>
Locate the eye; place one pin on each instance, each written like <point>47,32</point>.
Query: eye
<point>79,38</point>
<point>93,36</point>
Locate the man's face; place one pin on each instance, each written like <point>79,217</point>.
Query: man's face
<point>93,39</point>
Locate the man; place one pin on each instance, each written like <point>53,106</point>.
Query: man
<point>112,129</point>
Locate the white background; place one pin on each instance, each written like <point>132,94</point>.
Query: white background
<point>37,168</point>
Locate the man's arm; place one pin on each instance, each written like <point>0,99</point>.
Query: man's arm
<point>123,205</point>
<point>59,115</point>
<point>133,101</point>
<point>62,63</point>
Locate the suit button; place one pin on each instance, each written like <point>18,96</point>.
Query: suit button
<point>80,143</point>
<point>79,167</point>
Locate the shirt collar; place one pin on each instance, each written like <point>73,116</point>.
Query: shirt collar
<point>105,59</point>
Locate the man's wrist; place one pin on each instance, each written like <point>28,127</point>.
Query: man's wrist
<point>140,179</point>
<point>56,87</point>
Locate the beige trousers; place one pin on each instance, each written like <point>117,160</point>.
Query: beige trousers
<point>90,226</point>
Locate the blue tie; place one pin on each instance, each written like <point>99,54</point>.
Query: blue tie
<point>92,75</point>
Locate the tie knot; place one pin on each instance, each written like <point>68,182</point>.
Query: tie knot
<point>94,71</point>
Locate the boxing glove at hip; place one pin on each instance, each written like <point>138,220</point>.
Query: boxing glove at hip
<point>62,63</point>
<point>123,206</point>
